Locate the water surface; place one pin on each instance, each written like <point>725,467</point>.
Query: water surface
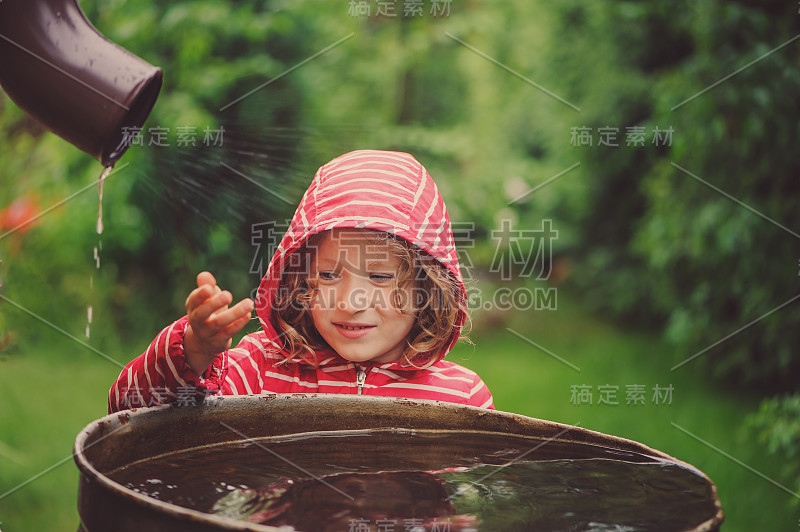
<point>426,480</point>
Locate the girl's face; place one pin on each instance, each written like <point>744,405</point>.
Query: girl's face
<point>353,307</point>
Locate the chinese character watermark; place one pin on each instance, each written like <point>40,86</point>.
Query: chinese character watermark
<point>530,251</point>
<point>581,394</point>
<point>160,136</point>
<point>635,136</point>
<point>608,394</point>
<point>635,395</point>
<point>398,8</point>
<point>413,524</point>
<point>662,396</point>
<point>581,136</point>
<point>386,8</point>
<point>144,396</point>
<point>265,237</point>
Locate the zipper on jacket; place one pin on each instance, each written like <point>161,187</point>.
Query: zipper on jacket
<point>361,376</point>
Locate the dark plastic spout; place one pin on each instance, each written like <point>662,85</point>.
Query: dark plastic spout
<point>58,68</point>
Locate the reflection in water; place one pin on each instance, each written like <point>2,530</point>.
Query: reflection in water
<point>417,481</point>
<point>593,494</point>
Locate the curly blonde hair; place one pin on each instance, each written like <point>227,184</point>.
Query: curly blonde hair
<point>424,287</point>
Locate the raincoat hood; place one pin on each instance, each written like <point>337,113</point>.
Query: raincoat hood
<point>367,189</point>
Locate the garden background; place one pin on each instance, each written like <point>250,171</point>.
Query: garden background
<point>633,164</point>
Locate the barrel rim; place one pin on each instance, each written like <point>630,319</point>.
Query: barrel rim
<point>116,421</point>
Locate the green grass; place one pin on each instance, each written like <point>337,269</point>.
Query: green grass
<point>50,393</point>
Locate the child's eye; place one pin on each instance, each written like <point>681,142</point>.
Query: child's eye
<point>328,276</point>
<point>381,277</point>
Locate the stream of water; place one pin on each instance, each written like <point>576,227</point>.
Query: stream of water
<point>99,247</point>
<point>100,181</point>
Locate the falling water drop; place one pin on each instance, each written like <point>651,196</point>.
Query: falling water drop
<point>103,176</point>
<point>89,321</point>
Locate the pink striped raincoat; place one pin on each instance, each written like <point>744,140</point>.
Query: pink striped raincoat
<point>386,191</point>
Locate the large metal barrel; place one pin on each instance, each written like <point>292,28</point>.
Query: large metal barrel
<point>138,436</point>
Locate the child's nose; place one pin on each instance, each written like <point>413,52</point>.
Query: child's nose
<point>353,296</point>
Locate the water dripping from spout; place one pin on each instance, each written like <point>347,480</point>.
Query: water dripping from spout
<point>103,176</point>
<point>99,247</point>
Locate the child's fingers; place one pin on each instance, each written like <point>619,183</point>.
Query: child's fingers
<point>206,287</point>
<point>232,320</point>
<point>198,296</point>
<point>206,278</point>
<point>240,310</point>
<point>212,306</point>
<point>213,333</point>
<point>224,324</point>
<point>235,327</point>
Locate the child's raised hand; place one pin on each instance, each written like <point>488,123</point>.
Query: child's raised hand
<point>212,323</point>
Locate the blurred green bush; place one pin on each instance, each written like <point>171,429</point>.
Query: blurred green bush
<point>777,429</point>
<point>696,237</point>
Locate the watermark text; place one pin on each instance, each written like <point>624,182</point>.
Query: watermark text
<point>398,8</point>
<point>634,136</point>
<point>184,136</point>
<point>608,394</point>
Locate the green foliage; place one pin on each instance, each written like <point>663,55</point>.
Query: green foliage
<point>730,265</point>
<point>777,428</point>
<point>696,237</point>
<point>398,84</point>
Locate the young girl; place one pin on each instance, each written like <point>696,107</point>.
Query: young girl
<point>363,296</point>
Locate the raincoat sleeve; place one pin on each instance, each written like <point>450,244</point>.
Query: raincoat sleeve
<point>480,395</point>
<point>161,375</point>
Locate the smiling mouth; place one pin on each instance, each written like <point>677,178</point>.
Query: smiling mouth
<point>353,327</point>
